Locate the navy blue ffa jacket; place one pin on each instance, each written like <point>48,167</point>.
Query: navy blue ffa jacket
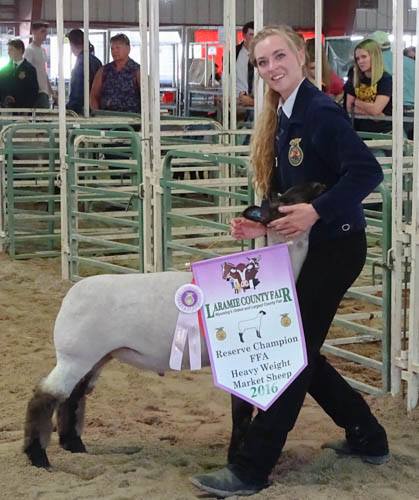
<point>20,83</point>
<point>318,144</point>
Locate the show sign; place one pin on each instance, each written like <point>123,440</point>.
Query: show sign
<point>252,323</point>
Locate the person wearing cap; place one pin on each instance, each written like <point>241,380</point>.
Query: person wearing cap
<point>18,81</point>
<point>383,40</point>
<point>410,52</point>
<point>36,55</point>
<point>76,97</point>
<point>116,86</point>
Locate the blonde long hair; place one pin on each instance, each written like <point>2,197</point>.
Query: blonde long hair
<point>377,65</point>
<point>262,151</point>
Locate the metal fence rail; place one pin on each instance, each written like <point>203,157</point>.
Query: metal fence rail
<point>105,202</point>
<point>30,185</point>
<point>378,294</point>
<point>196,211</point>
<point>30,194</point>
<point>200,192</point>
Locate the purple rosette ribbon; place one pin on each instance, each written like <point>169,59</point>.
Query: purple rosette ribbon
<point>189,299</point>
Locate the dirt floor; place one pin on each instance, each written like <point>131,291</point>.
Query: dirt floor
<point>147,434</point>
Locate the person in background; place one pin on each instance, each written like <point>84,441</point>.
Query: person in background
<point>303,136</point>
<point>18,81</point>
<point>383,41</point>
<point>332,85</point>
<point>244,68</point>
<point>369,88</point>
<point>410,52</point>
<point>35,54</point>
<point>76,97</point>
<point>116,86</point>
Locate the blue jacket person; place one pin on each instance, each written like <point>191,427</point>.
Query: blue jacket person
<point>313,142</point>
<point>76,97</point>
<point>18,81</point>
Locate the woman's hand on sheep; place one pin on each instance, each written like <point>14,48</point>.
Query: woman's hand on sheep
<point>245,229</point>
<point>297,219</point>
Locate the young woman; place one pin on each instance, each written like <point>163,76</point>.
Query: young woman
<point>313,141</point>
<point>369,88</point>
<point>332,85</point>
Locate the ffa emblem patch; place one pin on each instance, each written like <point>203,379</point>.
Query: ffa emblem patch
<point>220,334</point>
<point>295,153</point>
<point>21,75</point>
<point>285,320</point>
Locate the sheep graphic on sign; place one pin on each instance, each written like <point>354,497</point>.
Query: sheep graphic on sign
<point>253,324</point>
<point>242,276</point>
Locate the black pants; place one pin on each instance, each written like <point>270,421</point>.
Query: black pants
<point>329,270</point>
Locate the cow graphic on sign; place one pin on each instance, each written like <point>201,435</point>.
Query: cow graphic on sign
<point>242,276</point>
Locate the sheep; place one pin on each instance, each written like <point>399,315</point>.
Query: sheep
<point>251,324</point>
<point>101,318</point>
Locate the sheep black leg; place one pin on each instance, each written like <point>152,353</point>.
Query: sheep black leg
<point>70,418</point>
<point>38,427</point>
<point>241,412</point>
<point>37,455</point>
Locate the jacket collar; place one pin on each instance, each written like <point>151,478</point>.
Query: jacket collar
<point>306,91</point>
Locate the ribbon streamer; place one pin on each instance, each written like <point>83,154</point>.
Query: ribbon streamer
<point>188,299</point>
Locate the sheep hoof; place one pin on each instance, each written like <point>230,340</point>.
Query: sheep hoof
<point>73,444</point>
<point>37,455</point>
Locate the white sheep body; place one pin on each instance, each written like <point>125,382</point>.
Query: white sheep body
<point>297,247</point>
<point>131,316</point>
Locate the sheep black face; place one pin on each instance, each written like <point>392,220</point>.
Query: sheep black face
<point>303,193</point>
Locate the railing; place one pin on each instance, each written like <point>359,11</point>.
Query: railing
<point>105,203</point>
<point>196,211</point>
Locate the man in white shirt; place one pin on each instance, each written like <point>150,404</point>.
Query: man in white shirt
<point>244,69</point>
<point>36,55</point>
<point>244,78</point>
